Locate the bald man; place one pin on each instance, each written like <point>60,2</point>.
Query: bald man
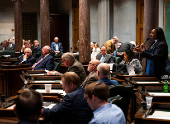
<point>92,77</point>
<point>45,61</point>
<point>103,72</point>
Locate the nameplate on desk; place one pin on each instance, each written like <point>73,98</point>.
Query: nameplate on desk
<point>158,94</point>
<point>52,91</point>
<point>147,82</point>
<point>47,81</point>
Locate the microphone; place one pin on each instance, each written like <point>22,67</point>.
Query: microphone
<point>146,40</point>
<point>121,68</point>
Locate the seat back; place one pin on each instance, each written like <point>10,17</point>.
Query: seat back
<point>118,100</point>
<point>124,91</point>
<point>56,66</point>
<point>117,59</point>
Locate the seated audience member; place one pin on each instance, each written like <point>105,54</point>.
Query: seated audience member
<point>103,72</point>
<point>57,47</point>
<point>123,47</point>
<point>28,107</point>
<point>97,94</point>
<point>95,51</point>
<point>91,47</point>
<point>104,57</point>
<point>35,48</point>
<point>110,45</point>
<point>27,58</point>
<point>45,61</point>
<point>73,109</point>
<point>129,59</point>
<point>92,68</point>
<point>118,46</point>
<point>27,44</point>
<point>11,45</point>
<point>4,45</point>
<point>73,66</point>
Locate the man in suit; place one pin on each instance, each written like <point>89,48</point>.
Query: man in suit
<point>92,77</point>
<point>4,45</point>
<point>45,61</point>
<point>27,58</point>
<point>73,66</point>
<point>110,45</point>
<point>28,107</point>
<point>104,113</point>
<point>103,72</point>
<point>57,47</point>
<point>73,109</point>
<point>11,45</point>
<point>35,48</point>
<point>104,57</point>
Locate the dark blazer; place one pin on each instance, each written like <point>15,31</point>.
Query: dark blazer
<point>108,58</point>
<point>92,77</point>
<point>46,64</point>
<point>107,81</point>
<point>13,47</point>
<point>7,48</point>
<point>35,50</point>
<point>74,109</point>
<point>78,68</point>
<point>31,60</point>
<point>53,46</point>
<point>159,57</point>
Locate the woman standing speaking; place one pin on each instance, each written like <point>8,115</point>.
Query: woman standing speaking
<point>156,55</point>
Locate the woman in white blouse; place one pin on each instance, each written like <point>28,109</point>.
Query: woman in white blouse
<point>95,51</point>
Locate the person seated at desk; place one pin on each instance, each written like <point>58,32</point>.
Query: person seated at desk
<point>104,57</point>
<point>35,48</point>
<point>4,45</point>
<point>11,45</point>
<point>73,109</point>
<point>118,46</point>
<point>103,72</point>
<point>92,68</point>
<point>45,61</point>
<point>97,94</point>
<point>95,51</point>
<point>26,44</point>
<point>27,58</point>
<point>129,59</point>
<point>28,107</point>
<point>73,65</point>
<point>57,47</point>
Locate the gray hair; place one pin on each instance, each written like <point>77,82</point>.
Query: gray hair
<point>103,69</point>
<point>29,50</point>
<point>68,56</point>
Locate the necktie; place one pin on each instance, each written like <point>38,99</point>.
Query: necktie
<point>5,48</point>
<point>103,59</point>
<point>37,63</point>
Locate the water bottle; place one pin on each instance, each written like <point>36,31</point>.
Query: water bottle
<point>165,88</point>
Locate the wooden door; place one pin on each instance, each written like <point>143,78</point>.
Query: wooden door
<point>75,27</point>
<point>139,24</point>
<point>59,27</point>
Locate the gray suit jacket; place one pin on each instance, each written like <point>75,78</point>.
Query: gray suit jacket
<point>92,77</point>
<point>108,58</point>
<point>78,68</point>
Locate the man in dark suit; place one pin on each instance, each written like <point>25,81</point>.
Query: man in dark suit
<point>11,45</point>
<point>57,47</point>
<point>92,77</point>
<point>28,107</point>
<point>27,58</point>
<point>103,72</point>
<point>104,57</point>
<point>35,48</point>
<point>4,45</point>
<point>45,61</point>
<point>73,109</point>
<point>73,66</point>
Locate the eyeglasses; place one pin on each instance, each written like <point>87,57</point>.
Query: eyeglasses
<point>92,64</point>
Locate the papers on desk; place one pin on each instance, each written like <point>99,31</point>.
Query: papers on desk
<point>147,82</point>
<point>60,91</point>
<point>160,114</point>
<point>158,94</point>
<point>11,107</point>
<point>50,105</point>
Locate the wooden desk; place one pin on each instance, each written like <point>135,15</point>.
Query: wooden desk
<point>127,76</point>
<point>140,119</point>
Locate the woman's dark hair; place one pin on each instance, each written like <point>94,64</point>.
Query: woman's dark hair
<point>161,36</point>
<point>130,54</point>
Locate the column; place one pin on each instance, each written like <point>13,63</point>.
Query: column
<point>84,31</point>
<point>18,25</point>
<point>104,21</point>
<point>150,22</point>
<point>45,22</point>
